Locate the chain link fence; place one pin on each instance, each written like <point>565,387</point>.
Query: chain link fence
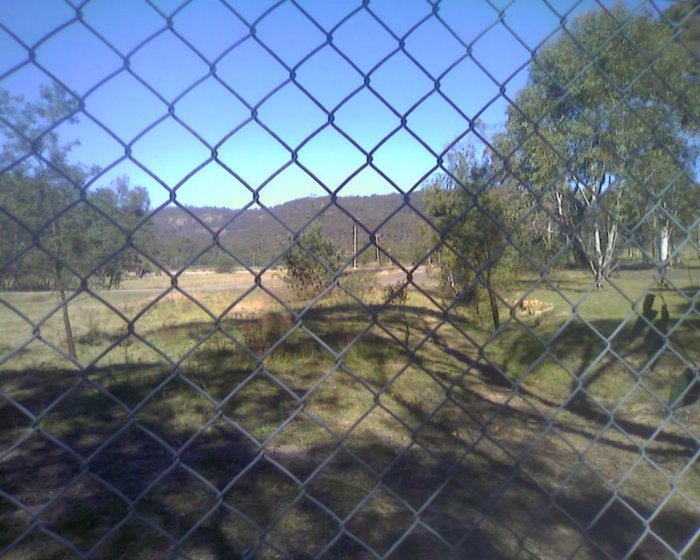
<point>502,363</point>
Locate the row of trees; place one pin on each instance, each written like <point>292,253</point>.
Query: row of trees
<point>599,151</point>
<point>53,236</point>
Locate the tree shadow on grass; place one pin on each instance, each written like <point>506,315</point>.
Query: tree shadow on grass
<point>637,266</point>
<point>181,472</point>
<point>217,493</point>
<point>583,349</point>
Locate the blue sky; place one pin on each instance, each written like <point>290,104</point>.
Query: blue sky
<point>180,86</point>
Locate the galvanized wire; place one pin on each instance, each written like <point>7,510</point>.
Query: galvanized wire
<point>517,400</point>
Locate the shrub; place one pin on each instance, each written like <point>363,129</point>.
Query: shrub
<point>261,333</point>
<point>307,261</point>
<point>396,293</point>
<point>362,284</point>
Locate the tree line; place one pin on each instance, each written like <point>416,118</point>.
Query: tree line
<point>256,238</point>
<point>598,156</point>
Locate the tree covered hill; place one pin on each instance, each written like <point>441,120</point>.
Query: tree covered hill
<point>257,235</point>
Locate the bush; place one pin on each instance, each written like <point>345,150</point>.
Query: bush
<point>261,333</point>
<point>396,293</point>
<point>224,266</point>
<point>307,261</point>
<point>362,284</point>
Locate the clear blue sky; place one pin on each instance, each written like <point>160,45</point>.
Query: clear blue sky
<point>222,85</point>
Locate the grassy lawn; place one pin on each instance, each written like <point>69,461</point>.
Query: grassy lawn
<point>358,431</point>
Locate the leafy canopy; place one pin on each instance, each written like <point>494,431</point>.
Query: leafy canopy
<point>476,211</point>
<point>311,262</point>
<point>606,124</point>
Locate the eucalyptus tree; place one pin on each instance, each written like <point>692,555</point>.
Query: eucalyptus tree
<point>607,122</point>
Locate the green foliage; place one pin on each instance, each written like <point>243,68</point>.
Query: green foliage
<point>361,283</point>
<point>56,236</point>
<point>396,293</point>
<point>476,212</point>
<point>311,262</point>
<point>56,231</point>
<point>221,262</point>
<point>601,130</point>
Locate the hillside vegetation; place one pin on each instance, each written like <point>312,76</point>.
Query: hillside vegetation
<point>256,235</point>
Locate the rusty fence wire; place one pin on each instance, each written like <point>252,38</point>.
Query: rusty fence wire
<point>525,385</point>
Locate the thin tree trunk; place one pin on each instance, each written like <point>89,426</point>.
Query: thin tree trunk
<point>652,239</point>
<point>664,243</point>
<point>581,255</point>
<point>354,246</point>
<point>70,339</point>
<point>493,301</point>
<point>495,315</point>
<point>610,248</point>
<point>598,258</point>
<point>603,247</point>
<point>58,283</point>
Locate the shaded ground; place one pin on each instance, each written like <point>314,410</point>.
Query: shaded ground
<point>345,437</point>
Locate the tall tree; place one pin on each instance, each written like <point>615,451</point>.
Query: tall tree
<point>61,235</point>
<point>608,113</point>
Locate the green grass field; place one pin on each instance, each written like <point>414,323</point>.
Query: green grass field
<point>227,431</point>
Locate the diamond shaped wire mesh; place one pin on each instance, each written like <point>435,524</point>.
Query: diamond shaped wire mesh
<point>502,362</point>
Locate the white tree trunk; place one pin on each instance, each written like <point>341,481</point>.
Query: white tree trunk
<point>664,243</point>
<point>598,258</point>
